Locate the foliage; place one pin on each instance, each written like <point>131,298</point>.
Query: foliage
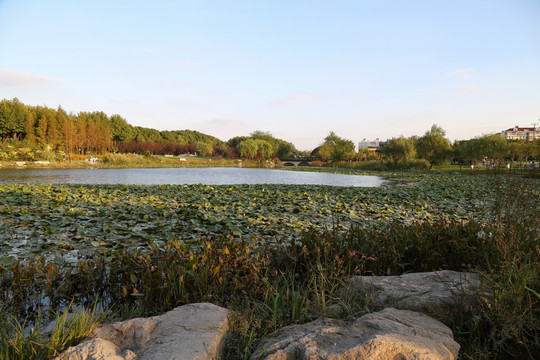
<point>433,146</point>
<point>248,148</point>
<point>400,149</point>
<point>504,316</point>
<point>262,145</point>
<point>335,148</point>
<point>18,342</point>
<point>493,147</point>
<point>255,149</point>
<point>204,149</point>
<point>42,219</point>
<point>415,164</point>
<point>264,149</point>
<point>521,150</point>
<point>88,132</point>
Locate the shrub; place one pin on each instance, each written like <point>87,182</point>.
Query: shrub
<point>416,164</point>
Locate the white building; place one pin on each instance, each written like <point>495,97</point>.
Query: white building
<point>521,133</point>
<point>369,144</point>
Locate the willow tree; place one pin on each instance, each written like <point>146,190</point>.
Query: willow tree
<point>434,147</point>
<point>399,149</point>
<point>204,149</point>
<point>248,148</point>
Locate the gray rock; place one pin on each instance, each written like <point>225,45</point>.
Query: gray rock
<point>387,335</point>
<point>433,293</point>
<point>190,332</point>
<point>96,349</point>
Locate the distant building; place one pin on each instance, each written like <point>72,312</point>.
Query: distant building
<point>369,144</point>
<point>522,133</point>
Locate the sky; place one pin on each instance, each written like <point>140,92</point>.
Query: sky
<point>295,68</point>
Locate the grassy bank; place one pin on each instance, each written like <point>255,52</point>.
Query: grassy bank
<point>111,161</point>
<point>275,255</point>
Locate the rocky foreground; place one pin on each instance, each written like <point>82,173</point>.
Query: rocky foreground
<point>408,328</point>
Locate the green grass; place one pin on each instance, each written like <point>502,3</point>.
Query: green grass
<point>19,341</point>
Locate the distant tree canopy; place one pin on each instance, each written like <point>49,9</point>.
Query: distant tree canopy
<point>335,148</point>
<point>400,149</point>
<point>94,132</point>
<point>262,145</point>
<point>433,146</point>
<point>204,149</point>
<point>31,132</point>
<point>492,146</point>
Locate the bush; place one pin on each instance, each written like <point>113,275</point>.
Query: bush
<point>416,164</point>
<point>123,159</point>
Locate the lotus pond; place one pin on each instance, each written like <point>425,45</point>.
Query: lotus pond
<point>274,254</point>
<point>65,223</point>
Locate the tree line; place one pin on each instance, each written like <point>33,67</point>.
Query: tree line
<point>433,148</point>
<point>39,132</point>
<point>34,132</point>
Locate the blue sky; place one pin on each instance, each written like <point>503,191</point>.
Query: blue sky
<point>298,69</point>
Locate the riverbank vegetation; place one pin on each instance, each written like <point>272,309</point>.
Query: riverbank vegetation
<point>274,255</point>
<point>38,133</point>
<point>30,133</point>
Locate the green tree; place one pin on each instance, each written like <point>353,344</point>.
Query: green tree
<point>204,149</point>
<point>520,150</point>
<point>248,148</point>
<point>434,147</point>
<point>120,129</point>
<point>285,150</point>
<point>265,150</point>
<point>235,141</point>
<point>12,118</point>
<point>400,149</point>
<point>339,148</point>
<point>494,147</point>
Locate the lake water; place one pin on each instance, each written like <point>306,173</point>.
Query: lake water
<point>181,176</point>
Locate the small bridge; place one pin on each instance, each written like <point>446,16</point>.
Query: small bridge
<point>295,162</point>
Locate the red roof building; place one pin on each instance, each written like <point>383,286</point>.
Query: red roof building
<point>522,133</point>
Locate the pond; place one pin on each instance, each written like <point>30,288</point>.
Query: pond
<point>183,176</point>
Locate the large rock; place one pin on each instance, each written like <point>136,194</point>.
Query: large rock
<point>387,335</point>
<point>433,293</point>
<point>97,349</point>
<point>190,332</point>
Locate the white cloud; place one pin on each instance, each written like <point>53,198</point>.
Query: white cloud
<point>10,78</point>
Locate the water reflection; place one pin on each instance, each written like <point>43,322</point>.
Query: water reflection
<point>181,176</point>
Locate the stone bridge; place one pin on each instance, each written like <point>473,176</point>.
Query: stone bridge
<point>295,162</point>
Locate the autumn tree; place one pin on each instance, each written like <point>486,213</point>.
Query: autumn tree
<point>29,130</point>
